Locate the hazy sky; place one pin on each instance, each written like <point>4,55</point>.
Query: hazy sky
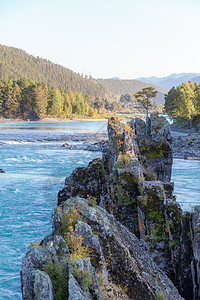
<point>107,38</point>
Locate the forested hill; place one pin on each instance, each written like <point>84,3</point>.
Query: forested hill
<point>120,87</point>
<point>16,64</point>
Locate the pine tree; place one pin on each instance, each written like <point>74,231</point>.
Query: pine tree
<point>144,97</point>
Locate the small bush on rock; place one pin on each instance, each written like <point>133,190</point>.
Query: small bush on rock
<point>74,242</point>
<point>59,277</point>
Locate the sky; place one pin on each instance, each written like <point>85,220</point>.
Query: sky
<point>107,38</point>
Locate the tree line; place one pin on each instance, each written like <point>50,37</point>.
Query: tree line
<point>183,102</point>
<point>16,63</point>
<point>28,99</point>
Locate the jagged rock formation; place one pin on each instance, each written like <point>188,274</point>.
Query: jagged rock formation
<point>138,237</point>
<point>120,266</point>
<point>2,171</point>
<point>156,148</point>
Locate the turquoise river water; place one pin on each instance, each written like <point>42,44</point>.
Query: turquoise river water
<point>35,172</point>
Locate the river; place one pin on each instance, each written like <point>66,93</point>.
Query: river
<point>35,172</point>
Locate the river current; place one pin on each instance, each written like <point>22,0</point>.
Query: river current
<point>35,172</point>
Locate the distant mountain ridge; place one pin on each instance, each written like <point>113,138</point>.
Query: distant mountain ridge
<point>196,79</point>
<point>172,80</point>
<point>123,86</point>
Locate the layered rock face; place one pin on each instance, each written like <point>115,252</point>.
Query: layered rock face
<point>135,242</point>
<point>119,266</point>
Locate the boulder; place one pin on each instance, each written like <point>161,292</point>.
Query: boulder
<point>43,288</point>
<point>35,259</point>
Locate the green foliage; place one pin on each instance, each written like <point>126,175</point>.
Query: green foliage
<point>125,189</point>
<point>92,200</point>
<point>69,219</point>
<point>161,295</point>
<point>101,282</point>
<point>123,161</point>
<point>74,242</point>
<point>122,87</point>
<point>153,150</point>
<point>99,105</point>
<point>91,112</point>
<point>26,98</point>
<point>144,97</point>
<point>174,243</point>
<point>59,275</point>
<point>122,195</point>
<point>126,98</point>
<point>83,277</point>
<point>55,101</point>
<point>152,204</point>
<point>58,271</point>
<point>16,64</point>
<point>183,102</point>
<point>149,174</point>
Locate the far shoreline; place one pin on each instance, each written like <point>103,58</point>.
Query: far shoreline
<point>3,120</point>
<point>98,119</point>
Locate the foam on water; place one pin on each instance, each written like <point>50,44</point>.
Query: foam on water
<point>186,175</point>
<point>28,193</point>
<point>35,172</point>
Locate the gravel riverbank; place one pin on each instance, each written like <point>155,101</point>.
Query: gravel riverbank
<point>186,145</point>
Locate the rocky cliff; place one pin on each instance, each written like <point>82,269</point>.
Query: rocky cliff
<point>118,232</point>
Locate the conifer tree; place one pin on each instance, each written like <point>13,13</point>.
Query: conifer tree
<point>144,97</point>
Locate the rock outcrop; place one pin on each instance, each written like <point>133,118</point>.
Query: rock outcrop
<point>156,148</point>
<point>118,232</point>
<point>119,266</point>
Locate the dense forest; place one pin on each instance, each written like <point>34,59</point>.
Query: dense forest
<point>28,99</point>
<point>16,64</point>
<point>120,87</point>
<point>31,88</point>
<point>183,103</point>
